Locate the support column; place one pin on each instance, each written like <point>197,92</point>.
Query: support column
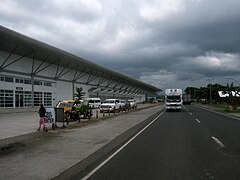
<point>32,82</point>
<point>73,87</point>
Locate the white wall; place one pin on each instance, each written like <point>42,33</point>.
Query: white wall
<point>64,91</point>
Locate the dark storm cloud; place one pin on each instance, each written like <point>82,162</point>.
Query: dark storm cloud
<point>220,36</point>
<point>165,43</point>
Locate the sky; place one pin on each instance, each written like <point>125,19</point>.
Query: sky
<point>165,43</point>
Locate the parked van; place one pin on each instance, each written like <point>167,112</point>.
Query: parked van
<point>94,102</point>
<point>110,105</point>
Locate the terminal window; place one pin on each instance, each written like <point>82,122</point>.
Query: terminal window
<point>6,98</point>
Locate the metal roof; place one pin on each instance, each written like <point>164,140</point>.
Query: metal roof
<point>10,39</point>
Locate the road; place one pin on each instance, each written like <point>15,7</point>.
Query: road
<point>192,144</point>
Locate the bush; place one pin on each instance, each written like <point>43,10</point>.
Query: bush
<point>229,108</point>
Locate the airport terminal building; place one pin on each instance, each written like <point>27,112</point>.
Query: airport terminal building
<point>32,72</point>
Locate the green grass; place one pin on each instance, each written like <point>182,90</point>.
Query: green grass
<point>224,107</point>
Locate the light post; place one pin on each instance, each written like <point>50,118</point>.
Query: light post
<point>209,81</point>
<point>232,79</point>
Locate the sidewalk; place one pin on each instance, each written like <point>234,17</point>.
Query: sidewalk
<point>46,155</point>
<point>16,124</point>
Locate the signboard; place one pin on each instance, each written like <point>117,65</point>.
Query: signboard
<point>50,116</point>
<point>173,91</point>
<point>226,94</point>
<point>19,88</point>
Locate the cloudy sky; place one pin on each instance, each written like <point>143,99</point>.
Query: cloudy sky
<point>165,43</point>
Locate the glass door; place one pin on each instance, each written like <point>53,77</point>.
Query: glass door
<point>18,99</point>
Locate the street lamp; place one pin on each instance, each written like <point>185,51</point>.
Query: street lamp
<point>232,79</point>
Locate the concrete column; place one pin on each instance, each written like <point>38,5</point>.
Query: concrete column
<point>32,82</point>
<point>73,87</point>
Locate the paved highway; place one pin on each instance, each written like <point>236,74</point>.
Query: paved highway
<point>192,144</point>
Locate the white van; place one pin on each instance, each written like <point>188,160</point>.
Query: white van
<point>110,105</point>
<point>94,102</point>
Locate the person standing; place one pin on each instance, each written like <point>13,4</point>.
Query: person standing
<point>42,112</point>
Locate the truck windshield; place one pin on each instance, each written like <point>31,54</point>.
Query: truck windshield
<point>173,99</point>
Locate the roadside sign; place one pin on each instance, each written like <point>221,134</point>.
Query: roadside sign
<point>50,116</point>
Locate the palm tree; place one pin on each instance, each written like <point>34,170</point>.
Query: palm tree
<point>79,93</point>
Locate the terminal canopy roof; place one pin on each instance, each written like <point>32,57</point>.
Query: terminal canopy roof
<point>16,43</point>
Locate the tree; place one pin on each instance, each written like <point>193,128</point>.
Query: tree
<point>79,93</point>
<point>203,93</point>
<point>215,88</point>
<point>233,92</point>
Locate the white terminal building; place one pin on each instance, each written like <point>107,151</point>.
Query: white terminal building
<point>32,72</point>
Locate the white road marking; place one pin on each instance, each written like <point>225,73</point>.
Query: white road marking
<point>198,121</point>
<point>185,108</point>
<point>190,113</point>
<point>121,148</point>
<point>218,142</point>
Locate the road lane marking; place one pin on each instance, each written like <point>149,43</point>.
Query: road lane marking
<point>121,148</point>
<point>190,113</point>
<point>185,108</point>
<point>198,121</point>
<point>218,142</point>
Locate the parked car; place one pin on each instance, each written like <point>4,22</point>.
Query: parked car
<point>84,111</point>
<point>110,105</point>
<point>70,106</point>
<point>125,105</point>
<point>61,104</point>
<point>122,104</point>
<point>94,102</point>
<point>133,103</point>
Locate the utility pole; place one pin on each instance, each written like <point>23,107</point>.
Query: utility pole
<point>209,81</point>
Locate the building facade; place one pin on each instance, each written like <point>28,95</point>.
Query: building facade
<point>32,72</point>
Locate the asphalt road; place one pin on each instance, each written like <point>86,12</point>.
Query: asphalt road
<point>192,144</point>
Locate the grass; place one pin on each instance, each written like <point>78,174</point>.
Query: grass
<point>220,106</point>
<point>224,107</point>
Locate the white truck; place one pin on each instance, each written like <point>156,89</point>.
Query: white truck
<point>173,99</point>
